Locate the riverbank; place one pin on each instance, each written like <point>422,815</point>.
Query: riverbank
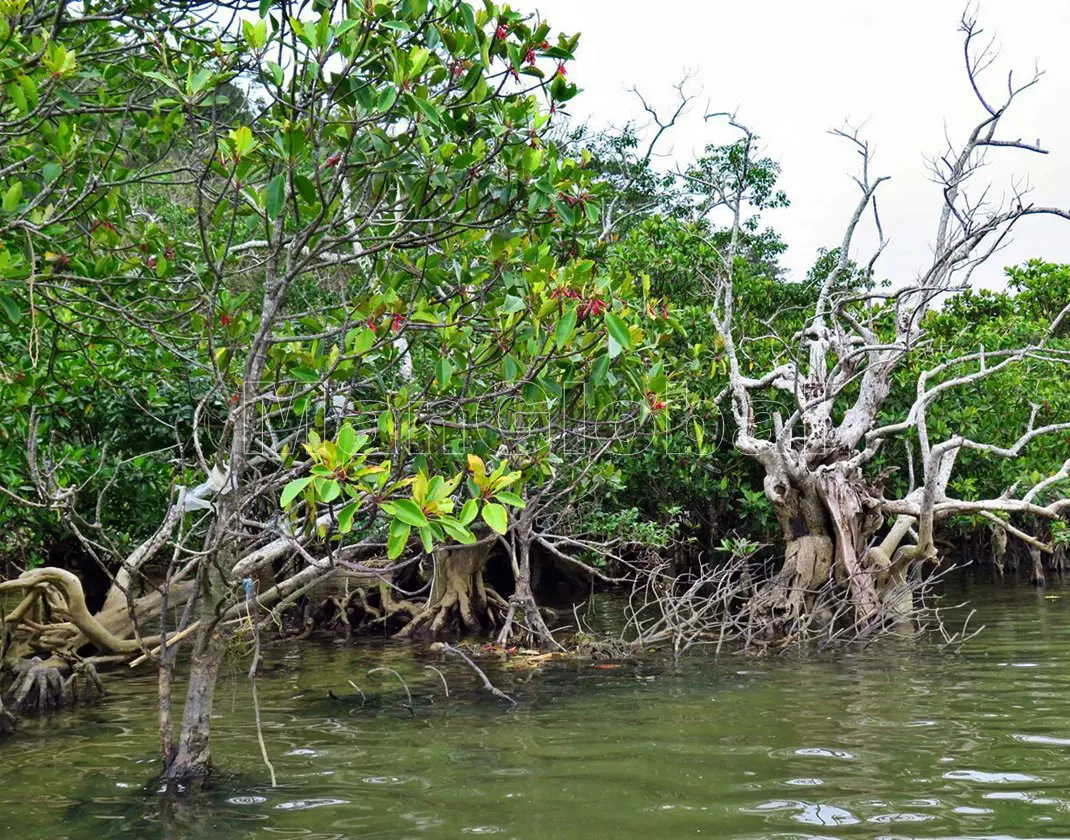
<point>900,741</point>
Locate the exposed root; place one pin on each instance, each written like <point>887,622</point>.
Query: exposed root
<point>731,605</point>
<point>84,685</point>
<point>525,625</point>
<point>460,603</point>
<point>39,688</point>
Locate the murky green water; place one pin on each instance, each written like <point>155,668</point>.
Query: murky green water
<point>895,743</point>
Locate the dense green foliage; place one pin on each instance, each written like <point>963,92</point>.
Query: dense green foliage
<point>457,292</point>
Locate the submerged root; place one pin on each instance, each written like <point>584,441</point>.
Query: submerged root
<point>7,720</point>
<point>84,685</point>
<point>39,688</point>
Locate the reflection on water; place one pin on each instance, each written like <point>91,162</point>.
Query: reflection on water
<point>896,742</point>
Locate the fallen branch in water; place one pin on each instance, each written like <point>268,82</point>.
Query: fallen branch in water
<point>497,692</point>
<point>441,676</point>
<point>404,685</point>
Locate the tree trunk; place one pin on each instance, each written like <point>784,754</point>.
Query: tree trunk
<point>460,602</point>
<point>827,519</point>
<point>193,758</point>
<point>522,603</point>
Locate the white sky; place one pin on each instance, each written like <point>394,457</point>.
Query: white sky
<point>792,70</point>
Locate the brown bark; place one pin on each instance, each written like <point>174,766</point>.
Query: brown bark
<point>460,602</point>
<point>193,758</point>
<point>1037,577</point>
<point>523,611</point>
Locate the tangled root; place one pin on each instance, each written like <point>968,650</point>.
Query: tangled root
<point>84,685</point>
<point>39,688</point>
<point>456,615</point>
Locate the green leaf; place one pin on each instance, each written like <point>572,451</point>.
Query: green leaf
<point>428,110</point>
<point>291,490</point>
<point>614,348</point>
<point>427,538</point>
<point>276,192</point>
<point>399,536</point>
<point>409,512</point>
<point>511,499</point>
<point>496,517</point>
<point>365,340</point>
<point>417,59</point>
<point>347,440</point>
<point>513,304</point>
<point>345,517</point>
<point>618,331</point>
<point>469,512</point>
<point>11,309</point>
<point>328,490</point>
<point>12,197</point>
<point>306,189</point>
<point>469,18</point>
<point>443,372</point>
<point>387,98</point>
<point>558,52</point>
<point>565,328</point>
<point>599,370</point>
<point>458,531</point>
<point>51,171</point>
<point>243,140</point>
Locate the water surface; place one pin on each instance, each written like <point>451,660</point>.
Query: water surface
<point>897,742</point>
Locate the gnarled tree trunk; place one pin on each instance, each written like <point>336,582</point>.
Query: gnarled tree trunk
<point>827,518</point>
<point>460,601</point>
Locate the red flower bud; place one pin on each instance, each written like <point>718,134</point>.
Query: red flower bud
<point>225,320</point>
<point>332,161</point>
<point>503,30</point>
<point>530,57</point>
<point>561,70</point>
<point>396,323</point>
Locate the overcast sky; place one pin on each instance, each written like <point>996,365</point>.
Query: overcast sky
<point>793,70</point>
